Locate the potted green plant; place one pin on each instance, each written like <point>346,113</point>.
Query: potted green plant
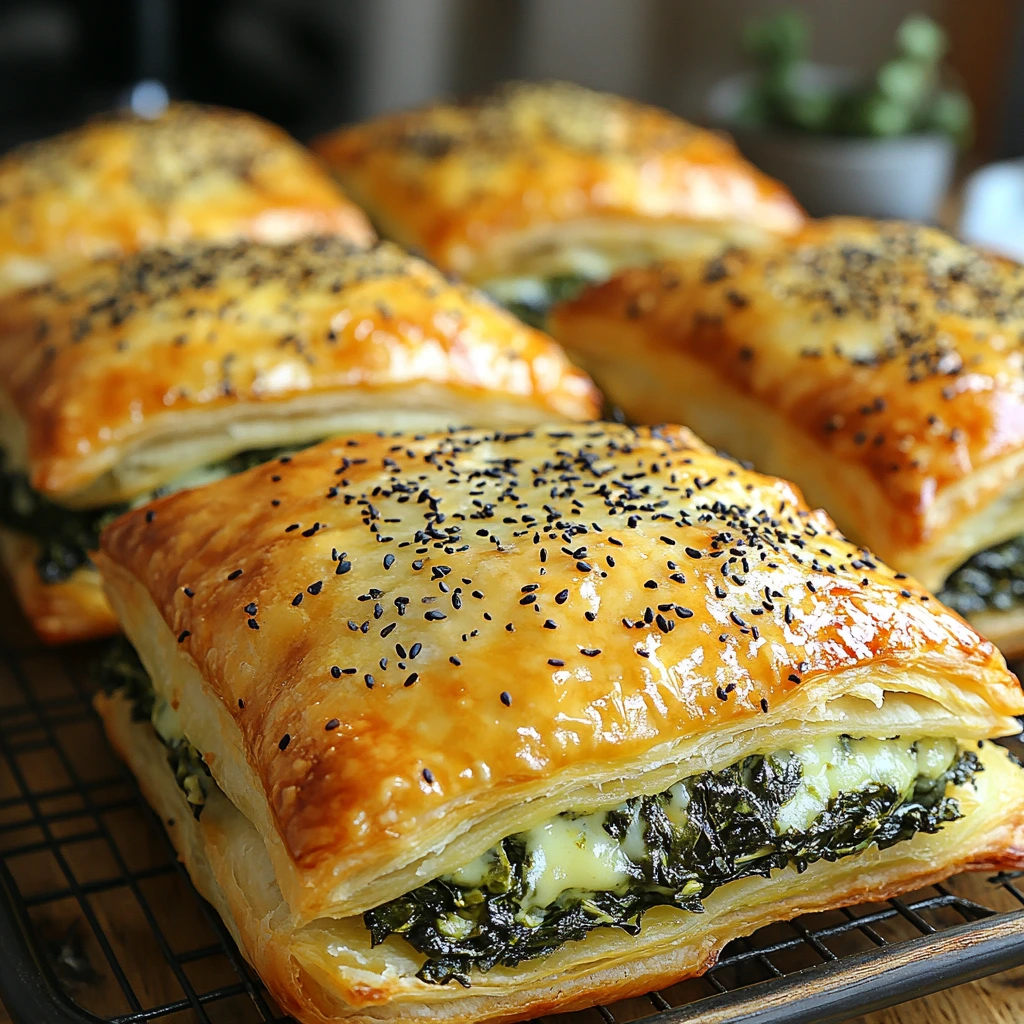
<point>882,146</point>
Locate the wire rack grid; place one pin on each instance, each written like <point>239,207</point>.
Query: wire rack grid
<point>99,922</point>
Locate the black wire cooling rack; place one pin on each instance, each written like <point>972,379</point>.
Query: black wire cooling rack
<point>99,922</point>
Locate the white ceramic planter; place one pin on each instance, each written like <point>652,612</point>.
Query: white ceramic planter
<point>903,178</point>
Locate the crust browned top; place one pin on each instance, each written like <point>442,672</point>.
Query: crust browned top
<point>892,347</point>
<point>404,625</point>
<point>120,183</point>
<point>95,358</point>
<point>452,178</point>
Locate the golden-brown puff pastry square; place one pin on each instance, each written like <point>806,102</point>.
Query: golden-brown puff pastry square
<point>875,364</point>
<point>120,183</point>
<point>426,697</point>
<point>126,376</point>
<point>543,181</point>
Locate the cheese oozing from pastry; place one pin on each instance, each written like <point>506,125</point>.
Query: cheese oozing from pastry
<point>535,890</point>
<point>826,799</point>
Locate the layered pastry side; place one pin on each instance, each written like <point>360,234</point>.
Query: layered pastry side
<point>482,724</point>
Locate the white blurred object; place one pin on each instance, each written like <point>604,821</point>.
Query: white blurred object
<point>993,209</point>
<point>148,98</point>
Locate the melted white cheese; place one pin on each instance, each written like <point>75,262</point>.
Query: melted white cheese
<point>166,721</point>
<point>577,853</point>
<point>572,853</point>
<point>831,767</point>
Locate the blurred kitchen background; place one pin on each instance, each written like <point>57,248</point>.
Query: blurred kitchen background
<point>313,64</point>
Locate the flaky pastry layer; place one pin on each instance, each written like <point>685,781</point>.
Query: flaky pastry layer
<point>498,186</point>
<point>121,183</point>
<point>875,364</point>
<point>326,970</point>
<point>120,375</point>
<point>394,651</point>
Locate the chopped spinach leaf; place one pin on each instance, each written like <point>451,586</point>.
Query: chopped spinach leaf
<point>558,288</point>
<point>118,668</point>
<point>991,580</point>
<point>67,535</point>
<point>728,831</point>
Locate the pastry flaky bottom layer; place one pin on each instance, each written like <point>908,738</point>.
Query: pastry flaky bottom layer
<point>327,970</point>
<point>74,609</point>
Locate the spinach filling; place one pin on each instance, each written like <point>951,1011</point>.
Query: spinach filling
<point>119,668</point>
<point>674,849</point>
<point>533,308</point>
<point>67,535</point>
<point>536,890</point>
<point>991,580</point>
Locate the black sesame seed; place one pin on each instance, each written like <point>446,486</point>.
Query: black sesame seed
<point>590,652</point>
<point>434,615</point>
<point>693,552</point>
<point>252,624</point>
<point>428,776</point>
<point>184,635</point>
<point>188,591</point>
<point>411,678</point>
<point>506,698</point>
<point>550,624</point>
<point>284,741</point>
<point>335,671</point>
<point>234,575</point>
<point>793,678</point>
<point>454,660</point>
<point>150,516</point>
<point>332,724</point>
<point>368,679</point>
<point>389,560</point>
<point>343,567</point>
<point>241,703</point>
<point>561,597</point>
<point>556,662</point>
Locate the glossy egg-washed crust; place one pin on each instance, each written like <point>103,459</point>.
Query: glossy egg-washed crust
<point>120,183</point>
<point>552,608</point>
<point>454,179</point>
<point>891,352</point>
<point>114,354</point>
